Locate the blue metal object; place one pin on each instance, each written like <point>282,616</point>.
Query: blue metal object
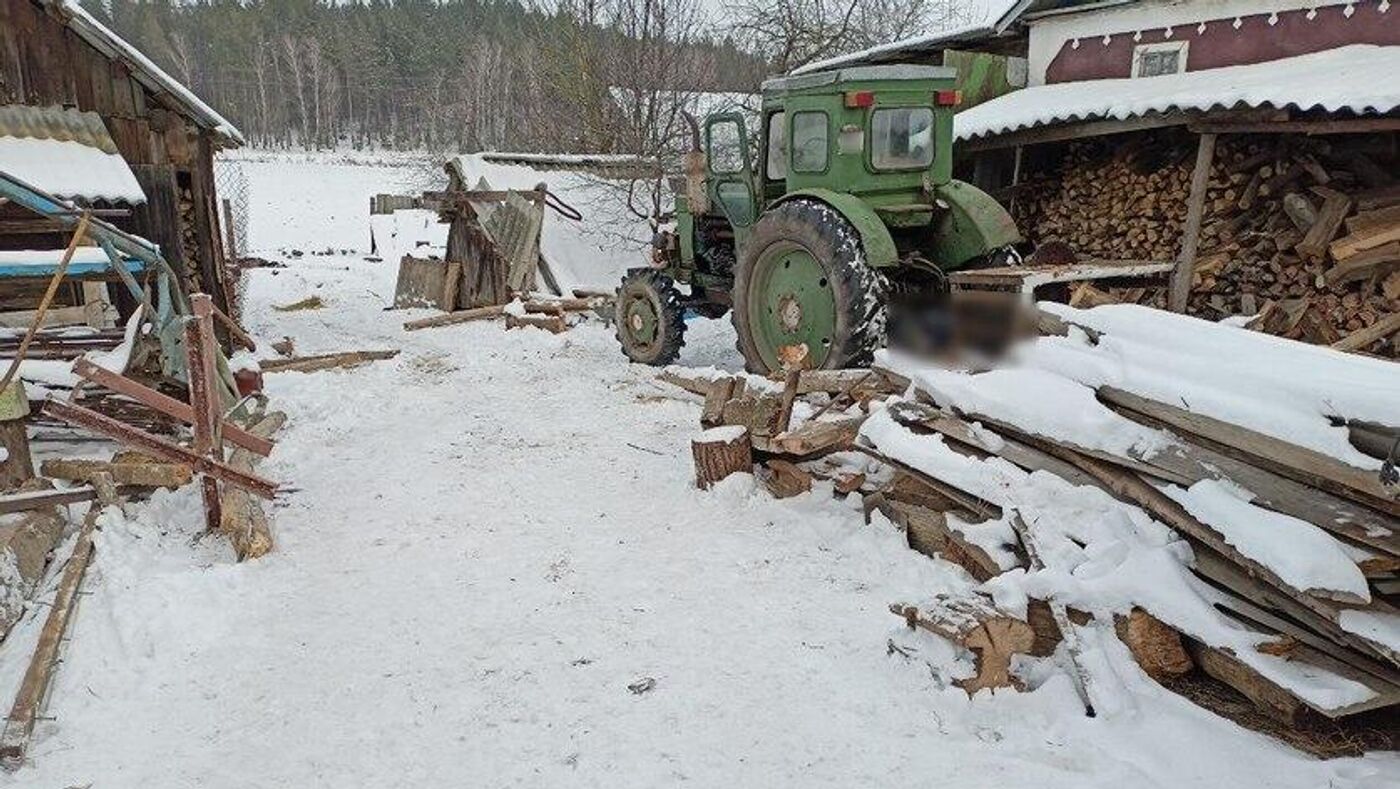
<point>127,255</point>
<point>82,269</point>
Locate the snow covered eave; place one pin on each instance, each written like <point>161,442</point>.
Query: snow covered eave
<point>1342,80</point>
<point>145,71</point>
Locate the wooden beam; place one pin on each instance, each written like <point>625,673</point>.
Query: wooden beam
<point>1266,452</point>
<point>204,398</point>
<point>1180,289</point>
<point>19,726</point>
<point>126,434</point>
<point>1312,127</point>
<point>166,404</point>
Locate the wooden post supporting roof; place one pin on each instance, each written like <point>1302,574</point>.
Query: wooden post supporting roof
<point>1191,229</point>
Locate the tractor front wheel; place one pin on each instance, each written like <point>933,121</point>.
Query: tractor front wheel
<point>803,294</point>
<point>650,317</point>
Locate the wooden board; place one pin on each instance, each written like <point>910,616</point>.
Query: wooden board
<point>1288,460</point>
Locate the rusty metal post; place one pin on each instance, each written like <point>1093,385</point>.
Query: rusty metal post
<point>204,398</point>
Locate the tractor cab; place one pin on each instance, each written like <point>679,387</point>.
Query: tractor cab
<point>805,226</point>
<point>880,133</point>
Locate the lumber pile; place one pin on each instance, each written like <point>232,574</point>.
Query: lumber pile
<point>1249,561</point>
<point>1303,232</point>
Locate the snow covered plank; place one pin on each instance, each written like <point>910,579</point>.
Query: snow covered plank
<point>1289,460</point>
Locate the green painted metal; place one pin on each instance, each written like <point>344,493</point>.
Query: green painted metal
<point>981,76</point>
<point>875,238</point>
<point>973,224</point>
<point>793,304</point>
<point>899,214</point>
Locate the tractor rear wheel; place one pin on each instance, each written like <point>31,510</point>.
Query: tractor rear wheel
<point>650,317</point>
<point>803,295</point>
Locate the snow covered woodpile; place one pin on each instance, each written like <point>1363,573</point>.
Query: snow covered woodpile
<point>1168,484</point>
<point>1302,231</point>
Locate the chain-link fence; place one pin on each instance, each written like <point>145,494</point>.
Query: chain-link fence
<point>231,192</point>
<point>231,187</point>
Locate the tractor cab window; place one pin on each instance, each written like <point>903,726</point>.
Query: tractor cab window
<point>901,138</point>
<point>726,147</point>
<point>809,142</point>
<point>776,156</point>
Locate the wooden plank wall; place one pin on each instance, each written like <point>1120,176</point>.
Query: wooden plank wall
<point>43,63</point>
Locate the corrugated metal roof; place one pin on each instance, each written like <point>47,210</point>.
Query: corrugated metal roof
<point>55,123</point>
<point>65,152</point>
<point>1357,79</point>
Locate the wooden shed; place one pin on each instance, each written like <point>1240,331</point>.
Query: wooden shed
<point>53,54</point>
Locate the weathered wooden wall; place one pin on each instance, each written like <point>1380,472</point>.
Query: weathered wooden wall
<point>43,62</point>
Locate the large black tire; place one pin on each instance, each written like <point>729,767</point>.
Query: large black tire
<point>858,291</point>
<point>650,317</point>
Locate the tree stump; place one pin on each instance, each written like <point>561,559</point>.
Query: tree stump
<point>16,467</point>
<point>719,452</point>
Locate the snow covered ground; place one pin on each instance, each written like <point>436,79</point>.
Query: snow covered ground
<point>489,539</point>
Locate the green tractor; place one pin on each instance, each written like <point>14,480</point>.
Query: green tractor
<point>841,232</point>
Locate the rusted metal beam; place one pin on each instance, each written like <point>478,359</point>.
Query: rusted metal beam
<point>166,404</point>
<point>200,352</point>
<point>126,434</point>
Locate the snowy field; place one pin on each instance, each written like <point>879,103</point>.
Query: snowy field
<point>490,538</point>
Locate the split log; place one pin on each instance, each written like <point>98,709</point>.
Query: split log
<point>755,411</point>
<point>1367,238</point>
<point>1155,646</point>
<point>719,452</point>
<point>1379,261</point>
<point>1361,339</point>
<point>1329,220</point>
<point>991,636</point>
<point>19,726</point>
<point>719,393</point>
<point>453,318</point>
<point>928,532</point>
<point>785,479</point>
<point>784,416</point>
<point>325,361</point>
<point>242,519</point>
<point>811,438</point>
<point>147,473</point>
<point>695,384</point>
<point>554,324</point>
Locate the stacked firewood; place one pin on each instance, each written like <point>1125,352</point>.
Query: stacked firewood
<point>1302,231</point>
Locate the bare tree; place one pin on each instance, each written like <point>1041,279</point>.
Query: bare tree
<point>792,33</point>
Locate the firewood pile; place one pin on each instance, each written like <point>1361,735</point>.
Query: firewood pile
<point>551,313</point>
<point>1303,232</point>
<point>1254,575</point>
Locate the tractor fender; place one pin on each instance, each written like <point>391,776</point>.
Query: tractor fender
<point>875,238</point>
<point>972,225</point>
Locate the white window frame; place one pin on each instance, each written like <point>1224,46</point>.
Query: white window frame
<point>1182,48</point>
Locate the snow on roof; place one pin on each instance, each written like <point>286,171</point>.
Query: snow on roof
<point>143,69</point>
<point>991,24</point>
<point>66,153</point>
<point>1349,78</point>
